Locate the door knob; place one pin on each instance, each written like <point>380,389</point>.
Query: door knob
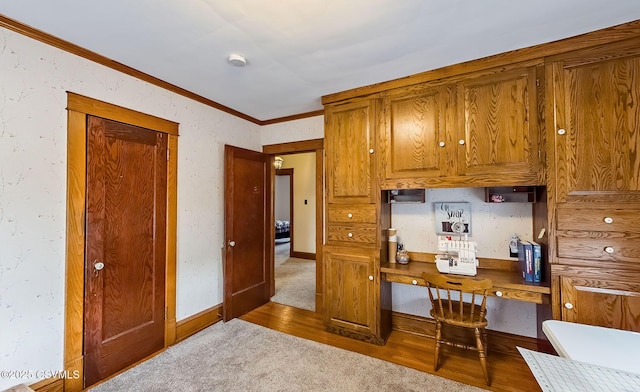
<point>98,265</point>
<point>232,243</point>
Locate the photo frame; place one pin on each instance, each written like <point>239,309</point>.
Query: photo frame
<point>452,218</point>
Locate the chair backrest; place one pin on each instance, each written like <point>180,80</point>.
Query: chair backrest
<point>445,293</point>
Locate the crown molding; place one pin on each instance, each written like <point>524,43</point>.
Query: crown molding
<point>56,42</point>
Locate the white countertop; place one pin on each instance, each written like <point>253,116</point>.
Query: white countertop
<point>607,347</point>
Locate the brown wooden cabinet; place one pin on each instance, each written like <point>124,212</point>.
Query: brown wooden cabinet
<point>414,144</point>
<point>594,119</point>
<point>499,134</point>
<point>564,115</point>
<point>595,123</point>
<point>357,303</point>
<point>614,302</point>
<point>350,151</point>
<point>476,130</point>
<point>352,300</point>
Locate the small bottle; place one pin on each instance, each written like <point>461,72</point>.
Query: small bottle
<point>513,246</point>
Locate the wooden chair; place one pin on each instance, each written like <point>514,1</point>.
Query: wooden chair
<point>448,307</point>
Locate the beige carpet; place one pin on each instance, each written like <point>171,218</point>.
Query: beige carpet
<point>295,280</point>
<point>240,356</point>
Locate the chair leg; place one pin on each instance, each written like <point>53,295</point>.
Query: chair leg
<point>482,351</point>
<point>436,355</point>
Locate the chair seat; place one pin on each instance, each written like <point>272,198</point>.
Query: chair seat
<point>454,317</point>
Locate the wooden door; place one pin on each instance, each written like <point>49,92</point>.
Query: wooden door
<point>247,264</point>
<point>349,138</point>
<point>125,246</point>
<point>415,141</point>
<point>612,304</point>
<point>596,124</point>
<point>500,136</point>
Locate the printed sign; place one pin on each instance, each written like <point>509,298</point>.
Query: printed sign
<point>452,218</point>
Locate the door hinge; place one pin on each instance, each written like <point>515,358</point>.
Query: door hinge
<point>168,154</point>
<point>538,82</point>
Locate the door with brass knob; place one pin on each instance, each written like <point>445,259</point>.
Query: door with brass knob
<point>126,207</point>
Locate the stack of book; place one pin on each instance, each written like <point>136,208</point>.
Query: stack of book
<point>530,261</point>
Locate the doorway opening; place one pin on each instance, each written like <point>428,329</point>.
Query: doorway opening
<point>297,266</point>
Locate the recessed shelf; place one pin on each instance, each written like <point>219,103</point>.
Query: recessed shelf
<point>405,196</point>
<point>510,194</point>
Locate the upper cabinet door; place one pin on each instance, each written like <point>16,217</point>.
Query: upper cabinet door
<point>499,134</point>
<point>350,149</point>
<point>595,124</point>
<point>415,142</point>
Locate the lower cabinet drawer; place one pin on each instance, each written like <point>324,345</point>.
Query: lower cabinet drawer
<point>598,219</point>
<point>352,213</point>
<point>579,245</point>
<point>359,234</point>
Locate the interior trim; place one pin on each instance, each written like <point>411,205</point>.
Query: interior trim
<point>48,385</point>
<point>67,46</point>
<point>78,107</point>
<point>317,146</point>
<point>197,322</point>
<point>287,172</point>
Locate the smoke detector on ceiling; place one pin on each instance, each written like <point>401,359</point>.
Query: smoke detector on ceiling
<point>237,60</point>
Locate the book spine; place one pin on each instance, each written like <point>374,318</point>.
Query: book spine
<point>522,264</point>
<point>528,252</point>
<point>537,263</point>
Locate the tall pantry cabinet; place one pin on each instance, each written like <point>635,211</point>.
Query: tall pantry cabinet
<point>357,303</point>
<point>594,121</point>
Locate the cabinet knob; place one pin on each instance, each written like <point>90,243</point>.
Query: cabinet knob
<point>441,144</point>
<point>371,151</point>
<point>350,235</point>
<point>498,293</point>
<point>98,265</point>
<point>232,243</point>
<point>608,219</point>
<point>349,215</point>
<point>568,305</point>
<point>414,282</point>
<point>561,131</point>
<point>461,141</point>
<point>370,277</point>
<point>609,249</point>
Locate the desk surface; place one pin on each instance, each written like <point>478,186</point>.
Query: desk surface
<point>607,347</point>
<point>506,283</point>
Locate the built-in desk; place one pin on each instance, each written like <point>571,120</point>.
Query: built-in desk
<point>507,282</point>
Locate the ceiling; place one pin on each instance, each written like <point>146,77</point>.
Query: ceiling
<point>299,50</point>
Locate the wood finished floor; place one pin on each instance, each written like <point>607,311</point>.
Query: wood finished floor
<point>508,373</point>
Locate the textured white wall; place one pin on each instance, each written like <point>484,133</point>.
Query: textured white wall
<point>34,79</point>
<point>293,131</point>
